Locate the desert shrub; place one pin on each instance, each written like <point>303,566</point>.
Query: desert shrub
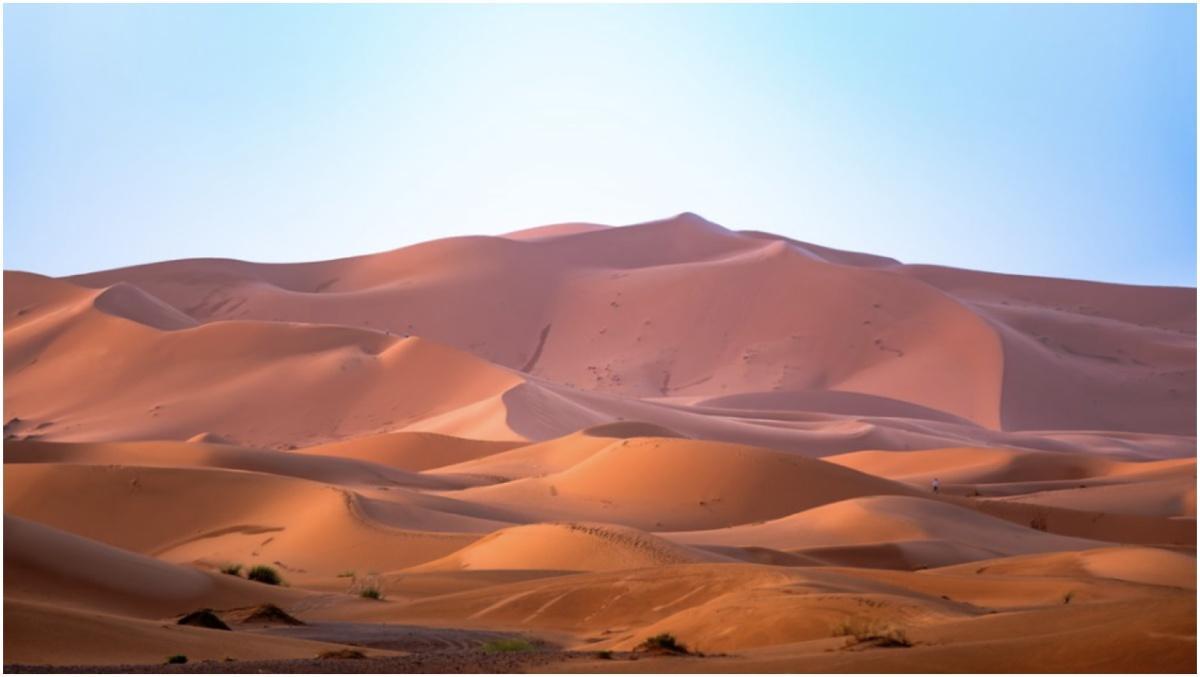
<point>264,574</point>
<point>1068,597</point>
<point>349,573</point>
<point>1039,521</point>
<point>844,629</point>
<point>204,618</point>
<point>605,655</point>
<point>873,633</point>
<point>663,642</point>
<point>341,653</point>
<point>512,644</point>
<point>271,615</point>
<point>367,587</point>
<point>177,659</point>
<point>232,569</point>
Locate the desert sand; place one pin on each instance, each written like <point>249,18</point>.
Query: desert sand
<point>536,451</point>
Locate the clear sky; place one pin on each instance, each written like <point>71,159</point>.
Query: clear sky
<point>1054,140</point>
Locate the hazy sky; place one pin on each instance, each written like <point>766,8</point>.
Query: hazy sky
<point>1054,140</point>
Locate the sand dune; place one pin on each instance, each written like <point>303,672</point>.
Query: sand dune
<point>1086,346</point>
<point>1096,638</point>
<point>411,451</point>
<point>34,635</point>
<point>809,605</point>
<point>589,602</point>
<point>757,606</point>
<point>590,435</point>
<point>889,519</point>
<point>333,469</point>
<point>830,402</point>
<point>245,381</point>
<point>982,466</point>
<point>1113,527</point>
<point>48,565</point>
<point>568,547</point>
<point>215,517</point>
<point>597,307</point>
<point>537,410</point>
<point>553,230</point>
<point>1161,498</point>
<point>555,455</point>
<point>659,484</point>
<point>1152,566</point>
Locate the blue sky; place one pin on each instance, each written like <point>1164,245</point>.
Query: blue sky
<point>1040,139</point>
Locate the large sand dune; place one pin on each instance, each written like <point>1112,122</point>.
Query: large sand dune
<point>612,310</point>
<point>591,435</point>
<point>671,484</point>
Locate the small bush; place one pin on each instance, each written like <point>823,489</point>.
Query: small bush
<point>264,574</point>
<point>509,645</point>
<point>232,569</point>
<point>605,655</point>
<point>1068,597</point>
<point>873,633</point>
<point>177,659</point>
<point>370,592</point>
<point>664,642</point>
<point>349,573</point>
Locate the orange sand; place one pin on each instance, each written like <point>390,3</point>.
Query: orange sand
<point>592,435</point>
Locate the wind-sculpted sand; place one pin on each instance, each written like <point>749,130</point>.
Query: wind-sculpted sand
<point>570,439</point>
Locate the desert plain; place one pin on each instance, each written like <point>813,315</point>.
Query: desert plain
<point>538,451</point>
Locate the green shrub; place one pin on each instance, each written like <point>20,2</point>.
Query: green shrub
<point>264,574</point>
<point>232,569</point>
<point>349,573</point>
<point>512,644</point>
<point>177,659</point>
<point>370,592</point>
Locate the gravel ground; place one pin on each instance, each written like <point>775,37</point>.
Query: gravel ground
<point>455,661</point>
<point>395,637</point>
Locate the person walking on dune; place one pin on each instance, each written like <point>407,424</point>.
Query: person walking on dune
<point>936,485</point>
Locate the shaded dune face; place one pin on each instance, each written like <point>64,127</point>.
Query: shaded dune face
<point>592,435</point>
